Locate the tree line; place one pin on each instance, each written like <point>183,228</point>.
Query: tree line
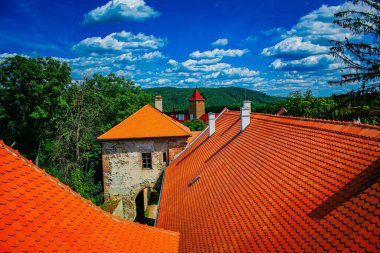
<point>55,121</point>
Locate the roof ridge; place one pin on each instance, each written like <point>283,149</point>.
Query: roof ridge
<point>331,121</point>
<point>176,123</point>
<point>325,121</point>
<point>225,110</point>
<point>329,130</point>
<point>75,194</point>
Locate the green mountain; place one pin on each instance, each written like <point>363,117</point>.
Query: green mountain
<point>216,98</point>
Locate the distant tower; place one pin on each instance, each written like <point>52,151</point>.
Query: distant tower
<point>196,105</point>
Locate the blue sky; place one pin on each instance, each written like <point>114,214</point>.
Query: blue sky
<point>271,46</point>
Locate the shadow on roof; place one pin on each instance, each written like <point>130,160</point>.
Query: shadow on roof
<point>356,186</point>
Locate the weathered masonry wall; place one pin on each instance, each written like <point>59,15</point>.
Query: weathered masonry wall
<point>123,175</point>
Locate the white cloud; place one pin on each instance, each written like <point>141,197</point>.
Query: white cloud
<point>190,66</point>
<point>314,62</point>
<point>318,26</point>
<point>305,47</point>
<point>240,72</point>
<point>116,11</point>
<point>277,30</point>
<point>294,46</point>
<point>122,43</point>
<point>189,80</point>
<point>151,56</point>
<point>172,63</point>
<point>220,43</point>
<point>163,81</point>
<point>119,43</point>
<point>219,53</point>
<point>251,38</point>
<point>6,55</point>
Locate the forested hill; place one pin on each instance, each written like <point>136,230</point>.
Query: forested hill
<point>216,98</point>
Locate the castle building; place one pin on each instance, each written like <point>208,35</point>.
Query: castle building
<point>196,109</point>
<point>134,154</point>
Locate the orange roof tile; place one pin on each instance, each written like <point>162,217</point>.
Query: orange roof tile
<point>282,185</point>
<point>39,213</point>
<point>193,136</point>
<point>196,96</point>
<point>148,122</point>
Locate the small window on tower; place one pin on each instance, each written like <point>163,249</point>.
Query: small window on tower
<point>165,157</point>
<point>146,160</point>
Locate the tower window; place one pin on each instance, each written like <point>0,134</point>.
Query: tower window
<point>146,160</point>
<point>165,157</point>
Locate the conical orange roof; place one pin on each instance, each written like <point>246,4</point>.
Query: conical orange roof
<point>148,122</point>
<point>196,96</point>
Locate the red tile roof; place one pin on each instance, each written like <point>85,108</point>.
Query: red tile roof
<point>38,213</point>
<point>148,122</point>
<point>196,96</point>
<point>282,185</point>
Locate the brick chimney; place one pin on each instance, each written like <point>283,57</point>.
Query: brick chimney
<point>245,115</point>
<point>158,103</point>
<point>211,123</point>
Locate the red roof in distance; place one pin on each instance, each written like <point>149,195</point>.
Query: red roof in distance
<point>196,96</point>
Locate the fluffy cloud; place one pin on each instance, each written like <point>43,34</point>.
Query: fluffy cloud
<point>189,80</point>
<point>310,63</point>
<point>318,26</point>
<point>189,66</point>
<point>151,56</point>
<point>172,63</point>
<point>305,46</point>
<point>220,43</point>
<point>294,46</point>
<point>116,11</point>
<point>117,43</point>
<point>219,53</point>
<point>240,72</point>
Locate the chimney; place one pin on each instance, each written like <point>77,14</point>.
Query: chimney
<point>211,123</point>
<point>245,115</point>
<point>158,103</point>
<point>247,103</point>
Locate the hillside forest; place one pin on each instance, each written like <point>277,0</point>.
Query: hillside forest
<point>55,121</point>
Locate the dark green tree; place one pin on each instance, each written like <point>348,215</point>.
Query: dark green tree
<point>360,56</point>
<point>195,124</point>
<point>93,107</point>
<point>31,93</point>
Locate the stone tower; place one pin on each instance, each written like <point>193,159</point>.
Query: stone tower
<point>196,105</point>
<point>134,155</point>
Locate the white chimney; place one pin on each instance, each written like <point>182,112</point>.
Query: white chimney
<point>211,123</point>
<point>245,115</point>
<point>247,103</point>
<point>158,103</point>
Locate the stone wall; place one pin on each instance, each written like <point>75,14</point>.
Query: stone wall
<point>119,210</point>
<point>123,175</point>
